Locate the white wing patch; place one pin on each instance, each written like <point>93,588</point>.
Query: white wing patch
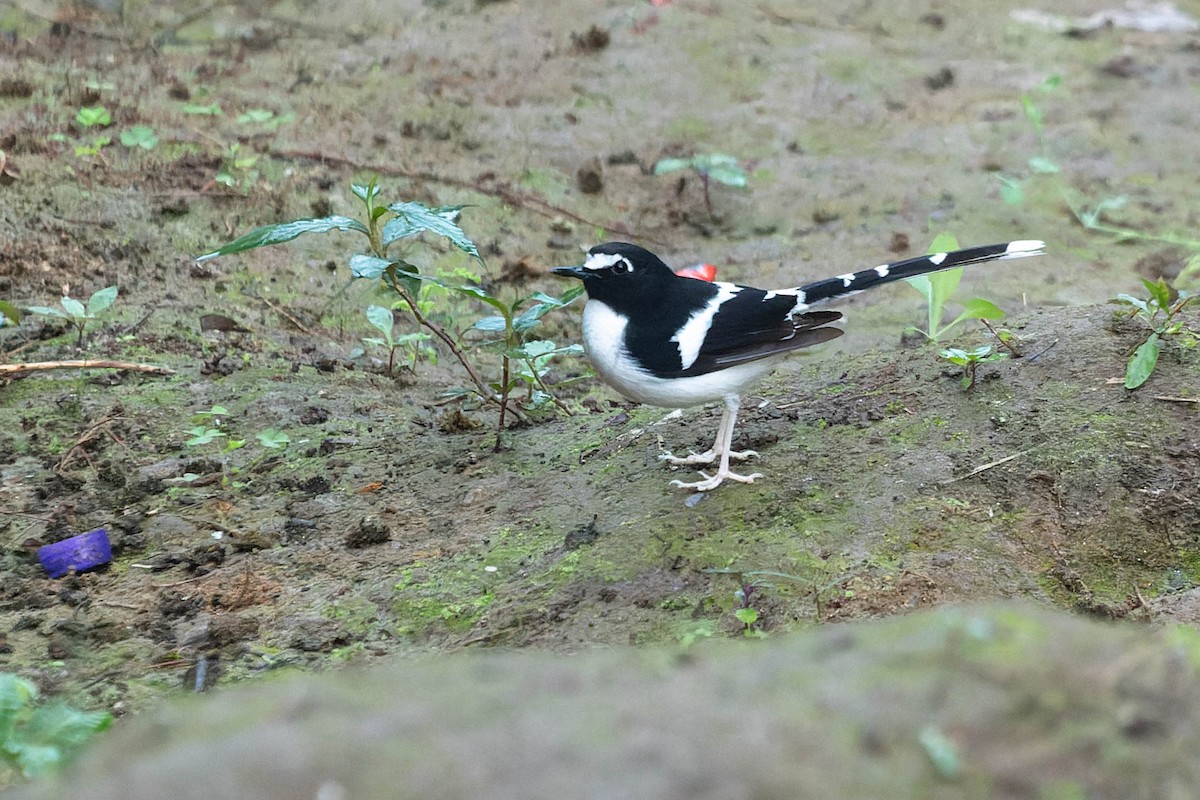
<point>846,279</point>
<point>882,270</point>
<point>937,258</point>
<point>690,338</point>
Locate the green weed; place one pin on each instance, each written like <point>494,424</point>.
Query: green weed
<point>970,360</point>
<point>1160,314</point>
<point>719,167</point>
<point>937,288</point>
<point>386,225</point>
<point>35,740</point>
<point>77,313</point>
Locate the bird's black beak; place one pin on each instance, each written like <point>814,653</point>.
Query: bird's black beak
<point>571,272</point>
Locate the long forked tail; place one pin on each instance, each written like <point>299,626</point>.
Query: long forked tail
<point>839,286</point>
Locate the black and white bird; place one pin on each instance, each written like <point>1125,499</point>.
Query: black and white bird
<point>672,341</point>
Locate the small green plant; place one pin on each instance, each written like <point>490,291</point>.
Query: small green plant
<point>238,171</point>
<point>202,110</point>
<point>77,313</point>
<point>208,430</point>
<point>264,117</point>
<point>387,225</point>
<point>1160,314</point>
<point>522,360</point>
<point>1012,190</point>
<point>413,344</point>
<point>93,149</point>
<point>9,314</point>
<point>139,136</point>
<point>93,117</point>
<point>937,289</point>
<point>970,361</point>
<point>719,167</point>
<point>35,740</point>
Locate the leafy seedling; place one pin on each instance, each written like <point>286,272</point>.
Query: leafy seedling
<point>140,136</point>
<point>93,117</point>
<point>413,343</point>
<point>718,167</point>
<point>35,740</point>
<point>76,312</point>
<point>1160,315</point>
<point>91,150</point>
<point>938,287</point>
<point>9,314</point>
<point>385,226</point>
<point>970,360</point>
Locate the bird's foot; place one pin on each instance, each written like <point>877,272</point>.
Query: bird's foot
<point>707,457</point>
<point>714,481</point>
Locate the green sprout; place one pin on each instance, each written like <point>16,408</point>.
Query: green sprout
<point>717,167</point>
<point>937,288</point>
<point>384,321</point>
<point>77,313</point>
<point>1159,314</point>
<point>140,136</point>
<point>93,117</point>
<point>970,360</point>
<point>35,740</point>
<point>386,225</point>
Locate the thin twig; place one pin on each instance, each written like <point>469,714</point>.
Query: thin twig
<point>11,369</point>
<point>985,467</point>
<point>1169,399</point>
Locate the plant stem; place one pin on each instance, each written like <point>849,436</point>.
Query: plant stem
<point>440,332</point>
<point>503,403</point>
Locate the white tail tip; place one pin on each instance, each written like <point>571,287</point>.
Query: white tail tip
<point>1023,248</point>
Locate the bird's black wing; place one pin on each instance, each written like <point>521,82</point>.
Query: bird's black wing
<point>754,325</point>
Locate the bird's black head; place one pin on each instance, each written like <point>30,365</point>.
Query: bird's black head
<point>633,280</point>
<point>619,268</point>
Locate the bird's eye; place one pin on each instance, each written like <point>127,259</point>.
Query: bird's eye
<point>622,267</point>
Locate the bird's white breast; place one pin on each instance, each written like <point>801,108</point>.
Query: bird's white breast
<point>604,339</point>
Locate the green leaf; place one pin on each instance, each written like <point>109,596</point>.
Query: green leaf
<point>1141,364</point>
<point>367,192</point>
<point>9,314</point>
<point>285,232</point>
<point>1130,300</point>
<point>402,227</point>
<point>101,300</point>
<point>139,136</point>
<point>46,311</point>
<point>955,356</point>
<point>370,267</point>
<point>74,308</point>
<point>1043,165</point>
<point>1011,191</point>
<point>93,116</point>
<point>210,110</point>
<point>1032,113</point>
<point>669,165</point>
<point>944,242</point>
<point>941,751</point>
<point>16,694</point>
<point>381,318</point>
<point>1159,292</point>
<point>202,435</point>
<point>490,324</point>
<point>273,439</point>
<point>978,308</point>
<point>746,616</point>
<point>435,220</point>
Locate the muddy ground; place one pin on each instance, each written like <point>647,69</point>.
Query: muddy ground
<point>390,524</point>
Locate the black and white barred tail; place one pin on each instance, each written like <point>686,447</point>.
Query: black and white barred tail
<point>839,286</point>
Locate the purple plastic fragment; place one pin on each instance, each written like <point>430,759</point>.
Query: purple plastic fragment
<point>85,551</point>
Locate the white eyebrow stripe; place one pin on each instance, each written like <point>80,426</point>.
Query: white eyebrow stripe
<point>598,261</point>
<point>690,338</point>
